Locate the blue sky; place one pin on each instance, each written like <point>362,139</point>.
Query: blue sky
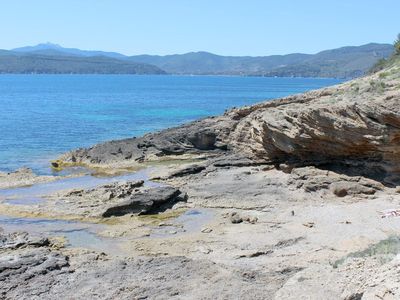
<point>247,27</point>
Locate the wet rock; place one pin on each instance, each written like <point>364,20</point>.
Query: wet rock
<point>55,164</point>
<point>146,202</point>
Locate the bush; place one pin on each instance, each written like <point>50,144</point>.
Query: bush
<point>379,65</point>
<point>397,45</point>
<point>383,63</point>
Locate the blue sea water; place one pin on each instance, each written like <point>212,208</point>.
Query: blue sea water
<point>42,116</point>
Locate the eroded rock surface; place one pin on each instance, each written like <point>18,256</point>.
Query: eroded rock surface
<point>28,267</point>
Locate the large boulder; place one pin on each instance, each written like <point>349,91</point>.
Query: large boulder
<point>146,202</point>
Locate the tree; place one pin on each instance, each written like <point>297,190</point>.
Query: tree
<point>397,45</point>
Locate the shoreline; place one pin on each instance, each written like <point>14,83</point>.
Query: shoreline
<point>292,198</point>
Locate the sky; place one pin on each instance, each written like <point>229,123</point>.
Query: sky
<point>225,27</point>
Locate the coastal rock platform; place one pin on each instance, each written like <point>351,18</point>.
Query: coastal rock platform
<point>290,199</point>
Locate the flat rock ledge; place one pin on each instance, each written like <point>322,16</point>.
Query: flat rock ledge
<point>28,264</point>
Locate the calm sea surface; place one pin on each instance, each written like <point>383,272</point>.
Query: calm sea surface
<point>42,116</point>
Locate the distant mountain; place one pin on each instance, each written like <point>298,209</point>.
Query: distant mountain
<point>346,62</point>
<point>204,63</point>
<point>54,49</point>
<point>16,63</point>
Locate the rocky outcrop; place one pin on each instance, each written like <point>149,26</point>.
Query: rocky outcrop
<point>146,202</point>
<point>355,125</point>
<point>194,138</point>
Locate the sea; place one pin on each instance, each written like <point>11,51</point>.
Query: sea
<point>43,116</point>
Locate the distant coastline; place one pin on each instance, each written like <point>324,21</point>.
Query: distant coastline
<point>343,63</point>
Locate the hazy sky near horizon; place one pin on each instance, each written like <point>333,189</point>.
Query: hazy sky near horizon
<point>226,27</point>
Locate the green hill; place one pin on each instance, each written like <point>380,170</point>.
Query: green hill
<point>346,62</point>
<point>12,63</point>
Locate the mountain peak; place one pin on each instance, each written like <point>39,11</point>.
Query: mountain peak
<point>49,45</point>
<point>41,46</point>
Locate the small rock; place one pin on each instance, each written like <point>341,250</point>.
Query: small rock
<point>251,220</point>
<point>235,218</point>
<point>205,250</point>
<point>309,224</point>
<point>342,189</point>
<point>285,168</point>
<point>346,222</point>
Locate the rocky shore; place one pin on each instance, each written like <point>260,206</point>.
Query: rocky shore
<point>295,198</point>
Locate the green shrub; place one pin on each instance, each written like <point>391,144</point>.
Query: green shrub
<point>394,59</point>
<point>397,45</point>
<point>384,75</point>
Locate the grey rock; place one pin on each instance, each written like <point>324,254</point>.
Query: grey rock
<point>235,218</point>
<point>146,202</point>
<point>235,160</point>
<point>192,169</point>
<point>312,179</point>
<point>344,188</point>
<point>28,266</point>
<point>112,190</point>
<point>193,138</point>
<point>21,240</point>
